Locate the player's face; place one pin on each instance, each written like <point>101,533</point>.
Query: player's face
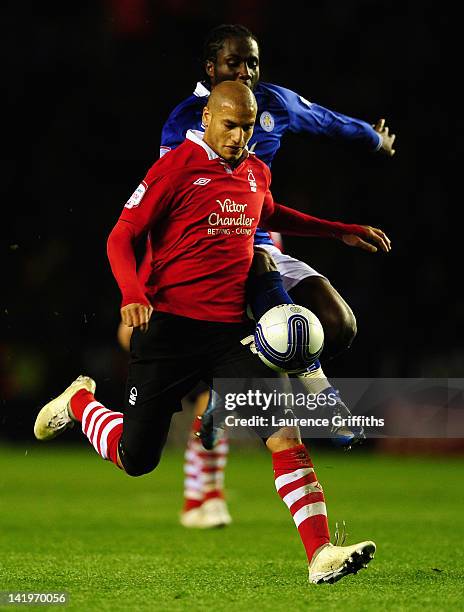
<point>228,130</point>
<point>238,60</point>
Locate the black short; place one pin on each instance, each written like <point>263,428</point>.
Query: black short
<point>197,391</point>
<point>166,363</point>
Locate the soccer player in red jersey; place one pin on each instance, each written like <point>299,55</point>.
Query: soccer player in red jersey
<point>202,204</point>
<point>232,52</point>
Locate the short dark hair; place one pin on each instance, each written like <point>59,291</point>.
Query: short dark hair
<point>215,39</point>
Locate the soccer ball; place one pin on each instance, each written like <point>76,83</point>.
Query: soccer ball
<point>289,338</point>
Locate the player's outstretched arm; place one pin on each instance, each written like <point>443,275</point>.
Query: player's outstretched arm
<point>387,139</point>
<point>371,240</point>
<point>295,223</point>
<point>311,118</point>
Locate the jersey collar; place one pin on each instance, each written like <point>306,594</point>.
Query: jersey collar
<point>201,90</point>
<point>196,136</point>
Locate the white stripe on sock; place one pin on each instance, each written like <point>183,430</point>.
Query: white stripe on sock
<point>96,414</point>
<point>214,462</point>
<point>288,478</point>
<point>191,456</point>
<point>217,485</point>
<point>87,409</point>
<point>297,494</point>
<point>308,511</point>
<point>96,429</point>
<point>314,382</point>
<point>210,476</point>
<point>106,431</point>
<point>191,470</point>
<point>192,485</point>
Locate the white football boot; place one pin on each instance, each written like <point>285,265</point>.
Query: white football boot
<point>212,513</point>
<point>55,417</point>
<point>215,513</point>
<point>192,519</point>
<point>331,563</point>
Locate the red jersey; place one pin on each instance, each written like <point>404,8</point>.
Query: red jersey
<point>202,215</point>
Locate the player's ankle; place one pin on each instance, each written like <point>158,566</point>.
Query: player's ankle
<point>191,504</point>
<point>318,550</point>
<point>77,404</point>
<point>216,494</point>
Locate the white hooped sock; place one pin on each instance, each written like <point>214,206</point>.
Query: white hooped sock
<point>314,380</point>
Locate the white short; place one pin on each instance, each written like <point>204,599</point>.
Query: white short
<point>292,270</point>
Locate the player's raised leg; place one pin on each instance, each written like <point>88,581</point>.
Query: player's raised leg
<point>158,378</point>
<point>307,287</point>
<point>77,403</point>
<point>133,445</point>
<point>339,325</point>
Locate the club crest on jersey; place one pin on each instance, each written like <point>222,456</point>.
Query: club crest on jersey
<point>252,181</point>
<point>137,196</point>
<point>133,396</point>
<point>201,181</point>
<point>267,121</point>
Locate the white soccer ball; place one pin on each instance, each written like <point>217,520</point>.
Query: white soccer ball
<point>289,338</point>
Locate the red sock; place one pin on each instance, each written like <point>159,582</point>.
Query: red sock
<point>79,403</point>
<point>297,485</point>
<point>193,494</point>
<point>102,427</point>
<point>204,470</point>
<point>213,464</point>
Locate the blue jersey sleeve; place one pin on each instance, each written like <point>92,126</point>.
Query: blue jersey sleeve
<point>305,116</point>
<point>186,116</point>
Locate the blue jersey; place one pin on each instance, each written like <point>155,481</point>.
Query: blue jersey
<point>279,110</point>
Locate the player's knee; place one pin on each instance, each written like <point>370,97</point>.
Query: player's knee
<point>339,330</point>
<point>348,329</point>
<point>140,468</point>
<point>136,464</point>
<point>262,262</point>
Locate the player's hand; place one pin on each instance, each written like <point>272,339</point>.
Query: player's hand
<point>136,315</point>
<point>372,239</point>
<point>387,139</point>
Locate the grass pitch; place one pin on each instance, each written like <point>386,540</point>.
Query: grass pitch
<point>72,522</point>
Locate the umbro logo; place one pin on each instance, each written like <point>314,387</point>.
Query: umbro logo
<point>201,181</point>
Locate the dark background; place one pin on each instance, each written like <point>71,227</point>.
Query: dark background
<point>88,87</point>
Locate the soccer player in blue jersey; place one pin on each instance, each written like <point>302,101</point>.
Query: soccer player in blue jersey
<point>231,52</point>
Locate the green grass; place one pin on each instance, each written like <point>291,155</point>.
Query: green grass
<point>70,521</point>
